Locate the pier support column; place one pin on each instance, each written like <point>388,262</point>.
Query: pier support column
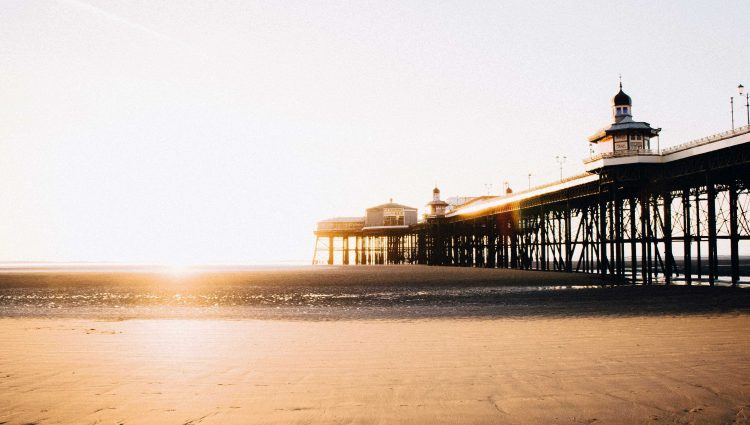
<point>513,235</point>
<point>699,259</point>
<point>618,239</point>
<point>687,242</point>
<point>366,250</point>
<point>455,240</point>
<point>633,244</point>
<point>603,234</point>
<point>712,266</point>
<point>422,249</point>
<point>613,239</point>
<point>645,210</point>
<point>568,241</point>
<point>491,260</point>
<point>330,250</point>
<point>653,214</point>
<point>345,249</point>
<point>734,236</point>
<point>543,238</point>
<point>667,236</point>
<point>356,251</point>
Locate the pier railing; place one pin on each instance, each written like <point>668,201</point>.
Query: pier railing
<point>621,154</point>
<point>706,140</point>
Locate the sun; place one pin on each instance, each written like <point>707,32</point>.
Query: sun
<point>178,267</point>
<point>178,270</point>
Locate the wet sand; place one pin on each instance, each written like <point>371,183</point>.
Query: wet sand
<point>342,293</point>
<point>683,359</point>
<point>310,276</point>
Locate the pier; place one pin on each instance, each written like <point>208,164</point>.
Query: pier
<point>637,215</point>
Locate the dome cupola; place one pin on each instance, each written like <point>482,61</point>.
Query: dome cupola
<point>624,137</point>
<point>621,98</point>
<point>436,208</point>
<point>622,105</point>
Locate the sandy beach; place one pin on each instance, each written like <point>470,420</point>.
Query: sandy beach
<point>567,371</point>
<point>605,365</point>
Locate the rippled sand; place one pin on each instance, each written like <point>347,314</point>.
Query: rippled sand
<point>369,345</point>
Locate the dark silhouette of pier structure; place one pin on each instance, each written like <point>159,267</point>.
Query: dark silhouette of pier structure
<point>636,215</point>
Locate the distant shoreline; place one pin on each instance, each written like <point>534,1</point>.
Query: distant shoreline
<point>16,267</point>
<point>32,266</point>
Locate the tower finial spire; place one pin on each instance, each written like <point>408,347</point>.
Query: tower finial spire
<point>620,81</point>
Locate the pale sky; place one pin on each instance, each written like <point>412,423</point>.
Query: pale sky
<point>221,131</point>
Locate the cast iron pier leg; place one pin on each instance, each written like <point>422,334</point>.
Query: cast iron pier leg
<point>668,237</point>
<point>568,247</point>
<point>711,233</point>
<point>330,250</point>
<point>687,238</point>
<point>603,234</point>
<point>734,236</point>
<point>644,237</point>
<point>633,248</point>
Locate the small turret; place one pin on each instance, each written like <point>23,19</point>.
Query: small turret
<point>436,208</point>
<point>624,136</point>
<point>622,105</point>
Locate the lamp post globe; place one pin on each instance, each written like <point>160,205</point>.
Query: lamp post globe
<point>561,160</point>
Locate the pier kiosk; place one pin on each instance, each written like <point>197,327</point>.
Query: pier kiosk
<point>379,237</point>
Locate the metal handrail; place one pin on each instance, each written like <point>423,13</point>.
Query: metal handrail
<point>620,154</point>
<point>706,140</point>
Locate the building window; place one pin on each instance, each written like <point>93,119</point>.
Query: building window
<point>393,217</point>
<point>619,110</point>
<point>625,110</point>
<point>391,220</point>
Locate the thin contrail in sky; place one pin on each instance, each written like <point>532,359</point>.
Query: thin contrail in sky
<point>103,14</point>
<point>97,11</point>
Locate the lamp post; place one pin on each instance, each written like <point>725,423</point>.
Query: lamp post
<point>488,186</point>
<point>731,106</point>
<point>561,160</point>
<point>529,181</point>
<point>741,90</point>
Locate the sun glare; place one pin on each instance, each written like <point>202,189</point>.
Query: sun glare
<point>178,270</point>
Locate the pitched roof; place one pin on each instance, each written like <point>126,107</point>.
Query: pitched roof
<point>390,205</point>
<point>342,220</point>
<point>626,123</point>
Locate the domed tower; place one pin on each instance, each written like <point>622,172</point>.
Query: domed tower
<point>436,208</point>
<point>622,106</point>
<point>624,136</point>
